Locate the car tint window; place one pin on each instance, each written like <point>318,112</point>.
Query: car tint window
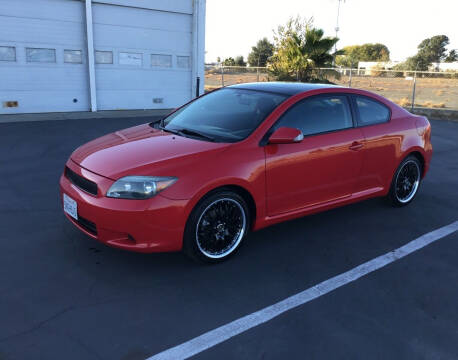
<point>318,114</point>
<point>371,111</point>
<point>227,114</point>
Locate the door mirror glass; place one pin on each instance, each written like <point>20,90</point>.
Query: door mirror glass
<point>286,135</point>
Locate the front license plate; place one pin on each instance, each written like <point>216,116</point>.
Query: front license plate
<point>70,207</point>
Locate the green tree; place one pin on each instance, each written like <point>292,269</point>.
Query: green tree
<point>300,49</point>
<point>415,62</point>
<point>229,61</point>
<point>239,61</point>
<point>366,52</point>
<point>452,56</point>
<point>434,48</point>
<point>429,50</point>
<point>260,53</point>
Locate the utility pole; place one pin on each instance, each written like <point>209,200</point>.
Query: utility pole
<point>337,31</point>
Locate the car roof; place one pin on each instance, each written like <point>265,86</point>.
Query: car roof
<point>285,88</point>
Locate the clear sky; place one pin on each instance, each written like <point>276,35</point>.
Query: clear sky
<point>232,27</point>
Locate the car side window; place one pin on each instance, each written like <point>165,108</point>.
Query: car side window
<point>371,111</point>
<point>318,114</point>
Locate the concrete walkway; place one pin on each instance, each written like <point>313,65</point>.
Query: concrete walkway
<point>83,115</point>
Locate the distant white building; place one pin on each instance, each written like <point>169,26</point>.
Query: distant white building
<point>80,55</point>
<point>373,65</point>
<point>443,66</point>
<point>370,66</point>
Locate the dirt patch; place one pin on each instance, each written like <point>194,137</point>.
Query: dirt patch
<point>430,92</point>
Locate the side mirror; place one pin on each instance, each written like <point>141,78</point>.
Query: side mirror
<point>286,135</point>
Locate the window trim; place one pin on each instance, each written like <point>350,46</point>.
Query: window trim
<point>189,62</point>
<point>358,116</point>
<point>131,52</point>
<point>15,53</point>
<point>72,62</point>
<point>104,63</point>
<point>265,138</point>
<point>40,62</point>
<point>160,66</point>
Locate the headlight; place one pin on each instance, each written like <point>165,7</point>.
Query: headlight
<point>139,187</point>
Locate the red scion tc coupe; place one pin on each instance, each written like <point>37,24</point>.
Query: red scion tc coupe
<point>242,158</point>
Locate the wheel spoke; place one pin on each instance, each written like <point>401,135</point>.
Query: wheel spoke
<point>221,227</point>
<point>407,181</point>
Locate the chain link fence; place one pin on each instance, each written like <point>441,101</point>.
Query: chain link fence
<point>427,89</point>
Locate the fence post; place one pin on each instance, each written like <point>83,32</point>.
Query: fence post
<point>349,84</point>
<point>257,74</point>
<point>222,75</point>
<point>413,90</point>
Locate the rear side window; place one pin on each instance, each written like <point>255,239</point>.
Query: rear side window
<point>371,111</point>
<point>318,114</point>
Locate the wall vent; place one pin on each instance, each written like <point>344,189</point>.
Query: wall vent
<point>10,104</point>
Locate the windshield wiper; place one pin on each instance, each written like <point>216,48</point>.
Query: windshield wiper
<point>169,130</point>
<point>189,132</point>
<point>196,134</point>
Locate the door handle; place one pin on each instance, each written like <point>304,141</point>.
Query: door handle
<point>356,145</point>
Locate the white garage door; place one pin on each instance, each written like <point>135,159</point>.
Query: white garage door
<point>143,56</point>
<point>42,56</point>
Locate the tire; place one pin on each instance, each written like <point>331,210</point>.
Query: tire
<point>406,182</point>
<point>216,227</point>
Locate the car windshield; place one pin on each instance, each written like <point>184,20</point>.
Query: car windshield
<point>226,115</point>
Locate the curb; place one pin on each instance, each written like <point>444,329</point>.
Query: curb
<point>440,114</point>
<point>105,114</point>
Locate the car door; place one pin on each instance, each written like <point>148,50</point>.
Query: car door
<point>324,166</point>
<point>382,144</point>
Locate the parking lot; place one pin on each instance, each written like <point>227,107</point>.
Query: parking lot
<point>66,296</point>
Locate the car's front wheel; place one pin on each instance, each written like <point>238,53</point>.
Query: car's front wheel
<point>216,227</point>
<point>406,182</point>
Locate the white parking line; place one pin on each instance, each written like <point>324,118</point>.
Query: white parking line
<point>225,332</point>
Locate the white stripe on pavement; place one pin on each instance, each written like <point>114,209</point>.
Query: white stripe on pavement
<point>225,332</point>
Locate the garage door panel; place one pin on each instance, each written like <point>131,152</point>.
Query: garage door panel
<point>35,31</point>
<point>142,80</point>
<point>141,18</point>
<point>149,89</point>
<point>135,99</point>
<point>180,6</point>
<point>45,10</point>
<point>38,78</point>
<point>30,101</point>
<point>155,40</point>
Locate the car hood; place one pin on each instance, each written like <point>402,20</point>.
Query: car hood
<point>141,150</point>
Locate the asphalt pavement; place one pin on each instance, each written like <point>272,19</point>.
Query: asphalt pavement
<point>65,296</point>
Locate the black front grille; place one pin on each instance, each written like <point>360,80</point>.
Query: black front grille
<point>87,225</point>
<point>82,183</point>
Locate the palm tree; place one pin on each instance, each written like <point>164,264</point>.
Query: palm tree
<point>300,50</point>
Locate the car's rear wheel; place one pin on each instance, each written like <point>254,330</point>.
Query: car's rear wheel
<point>406,182</point>
<point>216,227</point>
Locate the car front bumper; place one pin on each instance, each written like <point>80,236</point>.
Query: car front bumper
<point>152,225</point>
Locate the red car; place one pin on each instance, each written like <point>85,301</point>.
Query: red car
<point>239,159</point>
